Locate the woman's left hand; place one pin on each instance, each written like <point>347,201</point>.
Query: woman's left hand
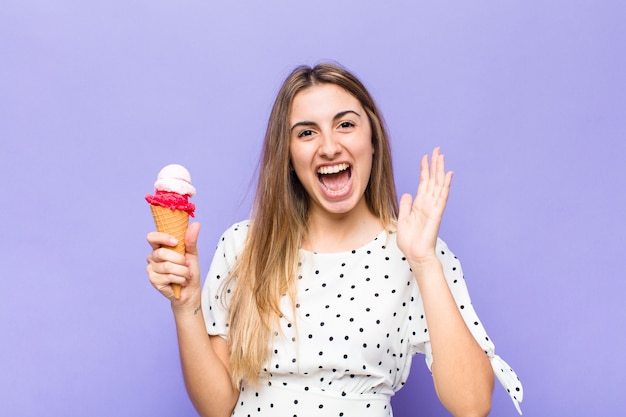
<point>419,219</point>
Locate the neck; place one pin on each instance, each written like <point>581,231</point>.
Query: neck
<point>331,232</point>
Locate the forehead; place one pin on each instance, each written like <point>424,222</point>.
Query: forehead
<point>322,101</point>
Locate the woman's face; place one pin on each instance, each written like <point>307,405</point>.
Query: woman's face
<point>331,148</point>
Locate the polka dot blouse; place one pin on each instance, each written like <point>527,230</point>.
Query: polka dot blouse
<point>359,321</point>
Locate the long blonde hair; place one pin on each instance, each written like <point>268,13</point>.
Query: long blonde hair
<point>267,267</point>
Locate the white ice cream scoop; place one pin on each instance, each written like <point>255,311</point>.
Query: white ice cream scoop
<point>175,178</point>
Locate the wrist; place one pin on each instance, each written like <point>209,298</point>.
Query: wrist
<point>426,267</point>
<point>188,309</point>
<point>425,261</point>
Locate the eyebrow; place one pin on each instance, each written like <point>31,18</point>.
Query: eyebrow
<point>335,118</point>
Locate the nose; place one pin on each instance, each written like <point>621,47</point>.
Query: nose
<point>330,146</point>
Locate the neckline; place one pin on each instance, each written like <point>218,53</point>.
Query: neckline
<point>379,237</point>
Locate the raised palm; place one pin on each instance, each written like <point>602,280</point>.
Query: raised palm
<point>419,219</point>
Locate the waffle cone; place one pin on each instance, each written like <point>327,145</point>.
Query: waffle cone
<point>172,222</point>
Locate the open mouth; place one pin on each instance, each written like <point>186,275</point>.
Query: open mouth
<point>335,178</point>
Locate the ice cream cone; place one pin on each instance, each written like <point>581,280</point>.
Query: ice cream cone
<point>171,207</point>
<point>175,223</point>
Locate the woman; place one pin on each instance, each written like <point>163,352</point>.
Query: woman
<point>317,304</point>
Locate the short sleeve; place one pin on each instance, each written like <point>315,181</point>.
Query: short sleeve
<point>214,296</point>
<point>454,277</point>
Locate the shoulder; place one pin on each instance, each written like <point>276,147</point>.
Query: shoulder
<point>442,248</point>
<point>227,251</point>
<point>233,239</point>
<point>445,255</point>
<point>237,230</point>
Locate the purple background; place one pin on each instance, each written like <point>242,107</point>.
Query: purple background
<point>527,99</point>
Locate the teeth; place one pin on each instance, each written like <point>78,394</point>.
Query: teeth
<point>333,169</point>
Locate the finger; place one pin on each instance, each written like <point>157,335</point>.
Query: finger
<point>430,184</point>
<point>158,239</point>
<point>405,206</point>
<point>445,190</point>
<point>191,239</point>
<point>162,281</point>
<point>424,179</point>
<point>434,161</point>
<point>440,170</point>
<point>165,254</point>
<point>171,268</point>
<point>191,255</point>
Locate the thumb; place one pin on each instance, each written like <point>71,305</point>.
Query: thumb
<point>405,206</point>
<point>191,239</point>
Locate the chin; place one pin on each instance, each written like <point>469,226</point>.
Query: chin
<point>340,208</point>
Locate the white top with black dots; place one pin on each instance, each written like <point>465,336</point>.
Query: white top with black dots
<point>359,321</point>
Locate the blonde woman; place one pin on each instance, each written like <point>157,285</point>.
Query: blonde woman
<point>317,304</point>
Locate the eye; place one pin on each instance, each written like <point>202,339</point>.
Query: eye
<point>346,125</point>
<point>305,133</point>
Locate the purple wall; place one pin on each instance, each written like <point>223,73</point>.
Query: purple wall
<point>527,99</point>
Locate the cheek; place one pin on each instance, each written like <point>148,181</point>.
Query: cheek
<point>296,159</point>
<point>293,154</point>
<point>368,149</point>
<point>370,135</point>
<point>368,159</point>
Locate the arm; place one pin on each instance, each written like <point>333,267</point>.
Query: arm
<point>462,373</point>
<point>205,365</point>
<point>205,360</point>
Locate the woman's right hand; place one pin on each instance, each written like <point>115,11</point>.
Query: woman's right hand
<point>166,267</point>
